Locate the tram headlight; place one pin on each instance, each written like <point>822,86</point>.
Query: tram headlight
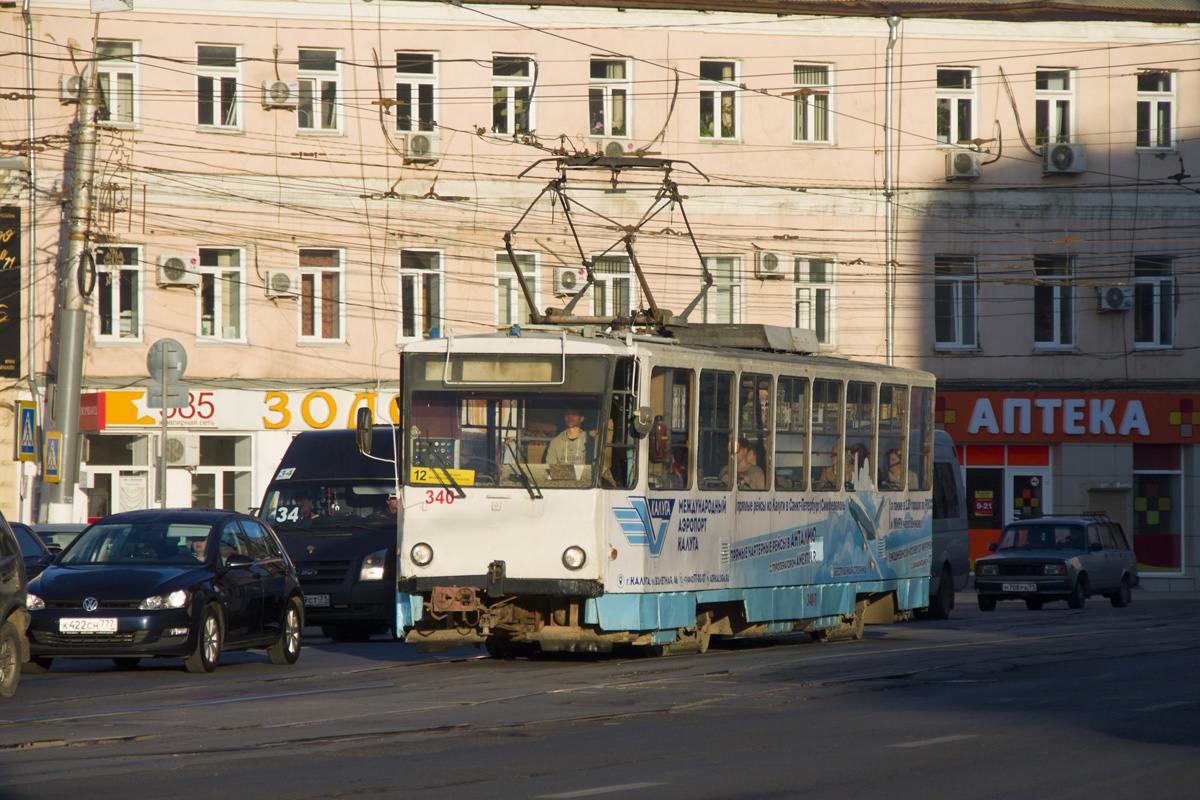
<point>421,554</point>
<point>574,558</point>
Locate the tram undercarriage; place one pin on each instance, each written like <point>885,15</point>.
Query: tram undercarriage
<point>516,625</point>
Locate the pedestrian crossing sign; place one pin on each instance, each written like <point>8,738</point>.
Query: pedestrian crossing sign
<point>52,460</point>
<point>27,433</point>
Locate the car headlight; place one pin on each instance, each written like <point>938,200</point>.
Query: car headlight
<point>1055,569</point>
<point>574,558</point>
<point>34,603</point>
<point>421,554</point>
<point>176,599</point>
<point>989,569</point>
<point>372,566</point>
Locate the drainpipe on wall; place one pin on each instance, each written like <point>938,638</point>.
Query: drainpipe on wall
<point>889,193</point>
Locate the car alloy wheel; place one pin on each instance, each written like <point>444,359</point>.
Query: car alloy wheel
<point>208,643</point>
<point>10,659</point>
<point>286,648</point>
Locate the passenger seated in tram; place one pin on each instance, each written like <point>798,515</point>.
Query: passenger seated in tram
<point>748,458</point>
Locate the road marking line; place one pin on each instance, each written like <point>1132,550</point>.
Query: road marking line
<point>599,790</point>
<point>939,740</point>
<point>1165,706</point>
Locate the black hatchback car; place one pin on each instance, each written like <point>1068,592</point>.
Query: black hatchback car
<point>13,617</point>
<point>186,583</point>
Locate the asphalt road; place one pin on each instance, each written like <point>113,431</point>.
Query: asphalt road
<point>1100,702</point>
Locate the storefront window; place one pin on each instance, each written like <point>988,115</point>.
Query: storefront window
<point>1157,518</point>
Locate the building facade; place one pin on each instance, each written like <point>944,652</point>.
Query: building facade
<point>293,190</point>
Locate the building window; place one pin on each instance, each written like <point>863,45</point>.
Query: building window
<point>221,282</point>
<point>217,483</point>
<point>118,294</point>
<point>955,105</point>
<point>612,292</point>
<point>719,100</point>
<point>512,94</point>
<point>810,103</point>
<point>1054,90</point>
<point>1053,302</point>
<point>1155,109</point>
<point>415,82</point>
<point>321,295</point>
<point>955,311</point>
<point>421,294</point>
<point>722,300</point>
<point>217,79</point>
<point>511,307</point>
<point>608,98</point>
<point>1153,302</point>
<point>318,79</point>
<point>116,74</point>
<point>814,283</point>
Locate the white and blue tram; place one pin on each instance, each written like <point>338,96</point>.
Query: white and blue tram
<point>576,490</point>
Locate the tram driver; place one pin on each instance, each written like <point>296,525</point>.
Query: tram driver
<point>573,445</point>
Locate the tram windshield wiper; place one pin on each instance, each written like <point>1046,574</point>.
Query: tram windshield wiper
<point>526,475</point>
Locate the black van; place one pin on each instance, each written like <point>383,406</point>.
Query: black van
<point>335,510</point>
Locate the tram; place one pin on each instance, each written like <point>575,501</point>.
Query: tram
<point>576,488</point>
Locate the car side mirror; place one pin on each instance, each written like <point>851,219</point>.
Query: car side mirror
<point>238,560</point>
<point>47,560</point>
<point>993,547</point>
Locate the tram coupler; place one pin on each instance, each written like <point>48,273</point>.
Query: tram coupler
<point>495,579</point>
<point>445,599</point>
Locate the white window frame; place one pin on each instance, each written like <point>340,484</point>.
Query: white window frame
<point>222,79</point>
<point>417,282</point>
<point>314,275</point>
<point>509,86</point>
<point>726,272</point>
<point>106,289</point>
<point>1058,291</point>
<point>814,295</point>
<point>508,289</point>
<point>954,97</point>
<point>1154,295</point>
<point>314,83</point>
<point>812,105</point>
<point>118,109</point>
<point>1048,119</point>
<point>223,280</point>
<point>610,94</point>
<point>605,282</point>
<point>414,82</point>
<point>714,95</point>
<point>956,276</point>
<point>1152,102</point>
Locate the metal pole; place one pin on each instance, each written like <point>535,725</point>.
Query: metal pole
<point>30,245</point>
<point>161,478</point>
<point>73,309</point>
<point>889,194</point>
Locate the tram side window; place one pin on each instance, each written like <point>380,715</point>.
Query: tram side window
<point>893,402</point>
<point>920,438</point>
<point>754,432</point>
<point>860,434</point>
<point>791,418</point>
<point>828,470</point>
<point>671,399</point>
<point>620,446</point>
<point>716,430</point>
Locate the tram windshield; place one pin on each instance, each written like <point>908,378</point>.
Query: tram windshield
<point>573,434</point>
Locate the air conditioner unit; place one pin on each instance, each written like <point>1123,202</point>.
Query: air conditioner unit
<point>283,284</point>
<point>178,271</point>
<point>70,88</point>
<point>568,280</point>
<point>183,450</point>
<point>1064,159</point>
<point>963,165</point>
<point>280,94</point>
<point>421,147</point>
<point>1114,298</point>
<point>612,149</point>
<point>770,265</point>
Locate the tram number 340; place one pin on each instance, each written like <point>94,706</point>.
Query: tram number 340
<point>438,497</point>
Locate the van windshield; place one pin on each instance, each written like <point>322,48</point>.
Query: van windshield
<point>330,504</point>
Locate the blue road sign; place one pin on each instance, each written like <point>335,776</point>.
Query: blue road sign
<point>27,434</point>
<point>52,462</point>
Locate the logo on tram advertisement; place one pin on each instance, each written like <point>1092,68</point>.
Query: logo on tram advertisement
<point>647,521</point>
